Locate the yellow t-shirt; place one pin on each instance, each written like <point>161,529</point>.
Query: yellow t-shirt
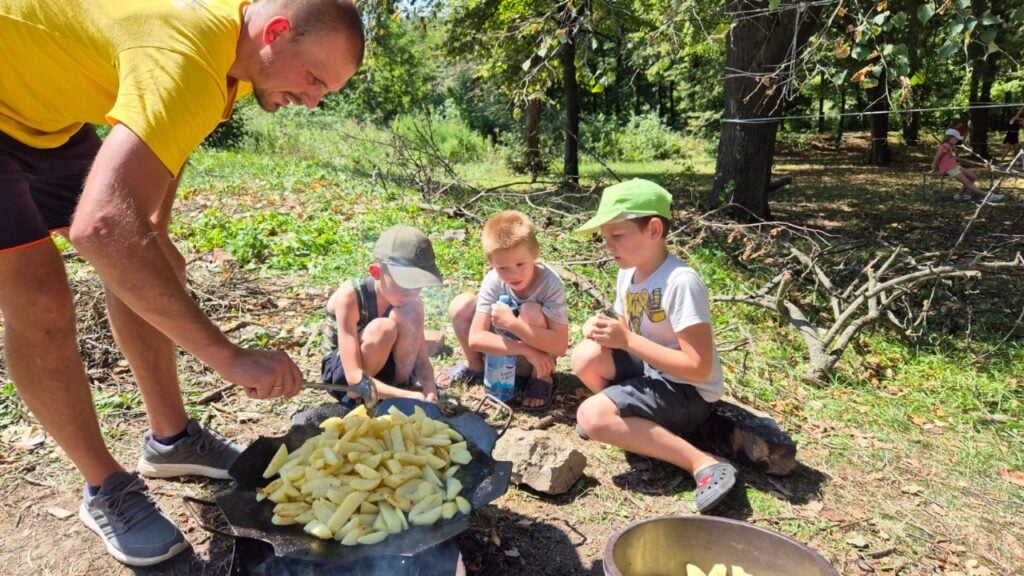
<point>157,66</point>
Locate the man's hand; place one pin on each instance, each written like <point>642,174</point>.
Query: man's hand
<point>543,364</point>
<point>608,332</point>
<point>264,373</point>
<point>502,316</point>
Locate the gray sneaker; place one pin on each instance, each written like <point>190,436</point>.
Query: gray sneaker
<point>129,522</point>
<point>201,453</point>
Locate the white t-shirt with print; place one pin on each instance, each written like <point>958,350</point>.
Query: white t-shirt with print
<point>671,299</point>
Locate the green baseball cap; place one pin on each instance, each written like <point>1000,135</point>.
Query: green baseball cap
<point>634,198</point>
<point>409,256</point>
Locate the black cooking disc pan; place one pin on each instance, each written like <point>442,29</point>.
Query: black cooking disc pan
<point>484,480</point>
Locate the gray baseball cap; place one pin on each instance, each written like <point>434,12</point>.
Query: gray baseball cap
<point>409,256</point>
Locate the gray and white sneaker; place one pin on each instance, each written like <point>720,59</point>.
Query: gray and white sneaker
<point>132,527</point>
<point>200,453</point>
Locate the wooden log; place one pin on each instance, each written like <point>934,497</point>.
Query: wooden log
<point>740,432</point>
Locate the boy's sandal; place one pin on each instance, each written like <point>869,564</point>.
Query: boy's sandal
<point>537,389</point>
<point>713,483</point>
<point>460,374</point>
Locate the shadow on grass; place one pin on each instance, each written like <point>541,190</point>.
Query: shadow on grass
<point>525,546</point>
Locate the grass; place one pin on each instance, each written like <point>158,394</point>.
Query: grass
<point>903,445</point>
<point>922,405</point>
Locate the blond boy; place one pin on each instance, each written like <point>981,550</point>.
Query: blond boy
<point>538,319</point>
<point>374,325</point>
<point>654,369</point>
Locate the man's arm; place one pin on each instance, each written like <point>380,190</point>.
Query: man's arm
<point>113,229</point>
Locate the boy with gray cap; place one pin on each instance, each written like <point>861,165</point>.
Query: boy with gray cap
<point>374,325</point>
<point>653,368</point>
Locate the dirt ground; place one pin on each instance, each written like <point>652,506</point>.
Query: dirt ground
<point>827,507</point>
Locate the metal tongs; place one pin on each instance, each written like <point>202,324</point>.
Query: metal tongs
<point>366,389</point>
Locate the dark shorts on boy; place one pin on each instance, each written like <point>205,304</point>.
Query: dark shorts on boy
<point>677,407</point>
<point>332,372</point>
<point>40,188</point>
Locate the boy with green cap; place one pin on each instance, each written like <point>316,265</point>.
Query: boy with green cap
<point>374,325</point>
<point>654,369</point>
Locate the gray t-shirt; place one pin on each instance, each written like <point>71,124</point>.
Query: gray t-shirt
<point>672,299</point>
<point>549,293</point>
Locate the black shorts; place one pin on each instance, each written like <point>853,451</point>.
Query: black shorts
<point>40,188</point>
<point>678,407</point>
<point>332,372</point>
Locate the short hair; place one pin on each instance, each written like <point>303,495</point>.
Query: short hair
<point>509,229</point>
<point>644,221</point>
<point>310,18</point>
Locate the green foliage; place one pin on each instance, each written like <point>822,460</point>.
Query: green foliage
<point>231,134</point>
<point>646,137</point>
<point>400,73</point>
<point>278,241</point>
<point>11,408</point>
<point>446,133</point>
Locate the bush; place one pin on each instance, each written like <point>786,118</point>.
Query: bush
<point>445,133</point>
<point>646,137</point>
<point>598,136</point>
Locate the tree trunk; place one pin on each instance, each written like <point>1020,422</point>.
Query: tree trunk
<point>755,80</point>
<point>842,117</point>
<point>572,111</point>
<point>982,77</point>
<point>912,128</point>
<point>533,162</point>
<point>879,154</point>
<point>821,103</point>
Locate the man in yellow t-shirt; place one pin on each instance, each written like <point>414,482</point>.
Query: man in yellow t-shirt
<point>162,73</point>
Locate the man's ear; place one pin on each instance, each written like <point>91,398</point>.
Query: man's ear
<point>375,271</point>
<point>277,27</point>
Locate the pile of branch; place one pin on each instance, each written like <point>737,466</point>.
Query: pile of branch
<point>877,295</point>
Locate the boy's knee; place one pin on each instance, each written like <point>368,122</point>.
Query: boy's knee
<point>585,355</point>
<point>594,415</point>
<point>462,309</point>
<point>533,314</point>
<point>382,330</point>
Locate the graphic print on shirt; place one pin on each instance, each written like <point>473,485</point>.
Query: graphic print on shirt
<point>643,302</point>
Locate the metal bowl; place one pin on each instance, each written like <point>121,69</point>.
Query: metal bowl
<point>664,546</point>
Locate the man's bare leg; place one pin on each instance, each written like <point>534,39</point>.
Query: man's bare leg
<point>153,360</point>
<point>42,356</point>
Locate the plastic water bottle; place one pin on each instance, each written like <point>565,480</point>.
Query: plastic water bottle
<point>500,370</point>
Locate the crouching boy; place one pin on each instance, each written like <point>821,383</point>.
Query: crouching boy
<point>654,369</point>
<point>374,325</point>
<point>538,321</point>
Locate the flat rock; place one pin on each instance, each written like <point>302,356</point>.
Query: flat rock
<point>435,342</point>
<point>540,460</point>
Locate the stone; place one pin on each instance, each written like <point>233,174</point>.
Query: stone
<point>540,460</point>
<point>435,342</point>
